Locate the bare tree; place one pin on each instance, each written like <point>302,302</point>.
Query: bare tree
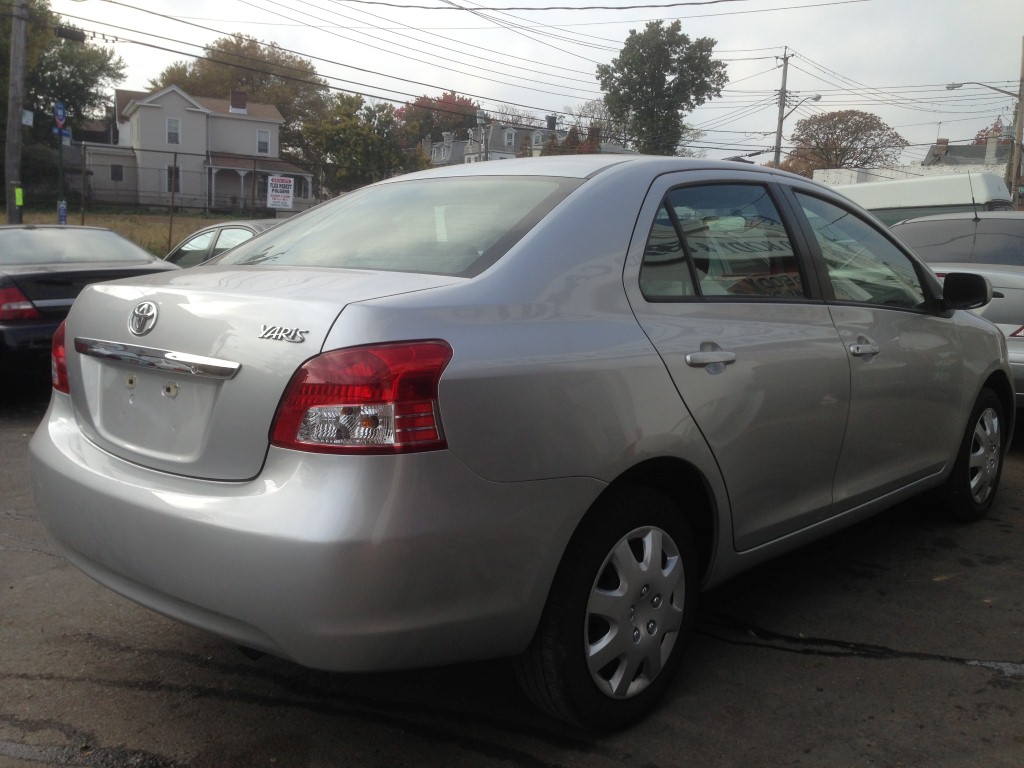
<point>845,139</point>
<point>513,115</point>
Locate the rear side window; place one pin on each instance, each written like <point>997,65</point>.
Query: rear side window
<point>966,241</point>
<point>722,240</point>
<point>445,226</point>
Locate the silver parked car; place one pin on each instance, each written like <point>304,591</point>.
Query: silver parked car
<point>989,244</point>
<point>526,409</point>
<point>203,244</point>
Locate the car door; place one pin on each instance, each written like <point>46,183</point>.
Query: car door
<point>720,290</point>
<point>905,358</point>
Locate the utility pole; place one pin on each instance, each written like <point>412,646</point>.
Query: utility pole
<point>15,98</point>
<point>782,105</point>
<point>1018,133</point>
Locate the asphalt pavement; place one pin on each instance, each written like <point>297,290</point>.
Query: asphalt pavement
<point>899,642</point>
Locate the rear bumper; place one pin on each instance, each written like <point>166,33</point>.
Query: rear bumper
<point>30,338</point>
<point>343,563</point>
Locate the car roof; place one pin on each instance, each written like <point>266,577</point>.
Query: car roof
<point>258,225</point>
<point>76,227</point>
<point>1010,215</point>
<point>586,166</point>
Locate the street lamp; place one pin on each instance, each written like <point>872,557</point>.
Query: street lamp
<point>782,118</point>
<point>954,86</point>
<point>1013,167</point>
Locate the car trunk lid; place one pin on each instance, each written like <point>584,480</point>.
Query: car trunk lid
<point>52,289</point>
<point>183,373</point>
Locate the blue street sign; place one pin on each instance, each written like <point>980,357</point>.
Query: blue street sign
<point>59,115</point>
<point>65,132</point>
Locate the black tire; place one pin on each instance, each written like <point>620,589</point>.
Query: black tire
<point>605,596</point>
<point>971,488</point>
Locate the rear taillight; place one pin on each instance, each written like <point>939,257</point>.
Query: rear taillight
<point>14,305</point>
<point>1018,334</point>
<point>58,362</point>
<point>373,399</point>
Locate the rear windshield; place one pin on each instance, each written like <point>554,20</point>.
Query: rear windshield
<point>445,226</point>
<point>66,245</point>
<point>966,241</point>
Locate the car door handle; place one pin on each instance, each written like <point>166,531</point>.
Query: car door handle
<point>710,355</point>
<point>702,359</point>
<point>864,348</point>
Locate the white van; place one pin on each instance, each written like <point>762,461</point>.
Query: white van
<point>893,201</point>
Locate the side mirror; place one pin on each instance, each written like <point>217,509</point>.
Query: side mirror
<point>966,290</point>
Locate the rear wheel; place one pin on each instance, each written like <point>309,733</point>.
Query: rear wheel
<point>619,614</point>
<point>971,488</point>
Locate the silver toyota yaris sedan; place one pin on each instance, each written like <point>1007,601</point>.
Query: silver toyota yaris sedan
<point>527,409</point>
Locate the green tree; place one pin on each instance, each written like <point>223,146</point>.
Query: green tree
<point>364,143</point>
<point>78,74</point>
<point>268,75</point>
<point>660,75</point>
<point>848,138</point>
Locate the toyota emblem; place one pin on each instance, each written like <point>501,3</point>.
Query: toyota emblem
<point>142,318</point>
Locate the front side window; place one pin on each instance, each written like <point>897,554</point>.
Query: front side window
<point>263,142</point>
<point>173,130</point>
<point>863,266</point>
<point>721,240</point>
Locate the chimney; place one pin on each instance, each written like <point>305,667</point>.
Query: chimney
<point>991,150</point>
<point>238,102</point>
<point>552,119</point>
<point>941,147</point>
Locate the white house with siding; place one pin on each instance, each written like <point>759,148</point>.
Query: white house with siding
<point>171,148</point>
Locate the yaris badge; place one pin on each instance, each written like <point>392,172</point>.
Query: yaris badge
<point>142,318</point>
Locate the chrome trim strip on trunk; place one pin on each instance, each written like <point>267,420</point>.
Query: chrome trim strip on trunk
<point>160,359</point>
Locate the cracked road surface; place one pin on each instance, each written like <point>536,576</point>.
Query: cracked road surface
<point>897,643</point>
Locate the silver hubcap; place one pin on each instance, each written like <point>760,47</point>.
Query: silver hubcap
<point>634,612</point>
<point>985,456</point>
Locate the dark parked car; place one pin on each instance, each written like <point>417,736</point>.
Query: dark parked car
<point>43,269</point>
<point>213,240</point>
<point>989,244</point>
<point>990,237</point>
<point>524,409</point>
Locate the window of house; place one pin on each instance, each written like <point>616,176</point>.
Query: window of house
<point>173,178</point>
<point>173,130</point>
<point>116,172</point>
<point>263,142</point>
<point>510,138</point>
<point>538,139</point>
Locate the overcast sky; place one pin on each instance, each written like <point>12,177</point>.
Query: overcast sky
<point>889,57</point>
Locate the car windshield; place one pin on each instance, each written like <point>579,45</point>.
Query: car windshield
<point>71,245</point>
<point>446,226</point>
<point>986,241</point>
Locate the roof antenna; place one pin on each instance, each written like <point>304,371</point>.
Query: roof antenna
<point>974,203</point>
